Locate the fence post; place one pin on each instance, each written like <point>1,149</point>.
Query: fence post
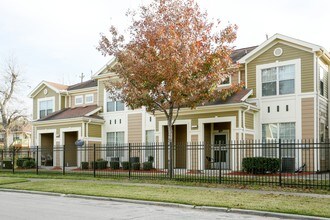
<point>94,161</point>
<point>63,168</point>
<point>13,160</point>
<point>129,160</point>
<point>280,158</point>
<point>37,165</point>
<point>219,163</point>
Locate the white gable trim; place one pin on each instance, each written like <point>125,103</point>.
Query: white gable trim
<point>247,57</point>
<point>39,87</point>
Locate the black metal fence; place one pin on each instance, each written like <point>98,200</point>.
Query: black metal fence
<point>281,162</point>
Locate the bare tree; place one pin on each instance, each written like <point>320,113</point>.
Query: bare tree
<point>10,110</point>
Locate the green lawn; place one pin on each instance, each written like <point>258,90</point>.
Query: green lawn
<point>192,196</point>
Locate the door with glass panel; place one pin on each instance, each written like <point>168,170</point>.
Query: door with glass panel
<point>220,152</point>
<point>115,148</point>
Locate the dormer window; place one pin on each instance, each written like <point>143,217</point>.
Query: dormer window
<point>46,107</point>
<point>79,100</point>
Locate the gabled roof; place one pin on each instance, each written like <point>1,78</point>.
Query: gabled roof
<point>101,71</point>
<point>57,86</point>
<point>54,86</point>
<point>312,47</point>
<point>76,112</point>
<point>239,53</point>
<point>83,85</point>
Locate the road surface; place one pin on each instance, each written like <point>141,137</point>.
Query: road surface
<point>14,206</point>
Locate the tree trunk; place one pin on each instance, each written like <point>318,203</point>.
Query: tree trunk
<point>170,147</point>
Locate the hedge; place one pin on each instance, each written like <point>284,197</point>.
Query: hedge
<point>7,164</point>
<point>114,165</point>
<point>84,165</point>
<point>147,166</point>
<point>29,163</point>
<point>125,165</point>
<point>135,166</point>
<point>261,165</point>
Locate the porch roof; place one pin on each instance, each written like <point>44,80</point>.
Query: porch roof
<point>84,111</point>
<point>237,97</point>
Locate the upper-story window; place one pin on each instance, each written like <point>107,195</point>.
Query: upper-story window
<point>79,100</point>
<point>113,106</point>
<point>323,82</point>
<point>226,82</point>
<point>46,107</point>
<point>278,80</point>
<point>89,98</point>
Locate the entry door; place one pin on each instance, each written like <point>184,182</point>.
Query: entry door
<point>221,147</point>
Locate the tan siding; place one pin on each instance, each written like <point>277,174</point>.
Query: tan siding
<point>135,128</point>
<point>249,121</point>
<point>101,94</point>
<point>51,93</point>
<point>62,102</point>
<point>289,53</point>
<point>91,152</point>
<point>73,97</point>
<point>94,130</point>
<point>307,111</point>
<point>194,138</point>
<point>58,127</point>
<point>194,117</point>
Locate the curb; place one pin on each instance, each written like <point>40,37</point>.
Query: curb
<point>173,205</point>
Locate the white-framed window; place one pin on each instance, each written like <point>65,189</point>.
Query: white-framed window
<point>323,82</point>
<point>273,132</point>
<point>79,100</point>
<point>114,106</point>
<point>46,107</point>
<point>149,152</point>
<point>226,82</point>
<point>115,144</point>
<point>279,80</point>
<point>89,98</point>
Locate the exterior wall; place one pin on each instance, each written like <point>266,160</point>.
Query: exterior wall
<point>40,95</point>
<point>135,128</point>
<point>249,120</point>
<point>73,104</point>
<point>289,53</point>
<point>307,110</point>
<point>62,102</point>
<point>94,130</point>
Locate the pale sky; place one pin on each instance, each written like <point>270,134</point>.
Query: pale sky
<point>55,40</point>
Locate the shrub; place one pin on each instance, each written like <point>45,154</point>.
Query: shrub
<point>150,158</point>
<point>92,165</point>
<point>135,166</point>
<point>261,165</point>
<point>125,165</point>
<point>114,165</point>
<point>20,161</point>
<point>30,163</point>
<point>134,159</point>
<point>147,165</point>
<point>101,164</point>
<point>84,165</point>
<point>7,164</point>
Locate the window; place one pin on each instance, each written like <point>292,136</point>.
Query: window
<point>15,137</point>
<point>278,80</point>
<point>113,106</point>
<point>2,137</point>
<point>323,81</point>
<point>89,98</point>
<point>226,82</point>
<point>79,100</point>
<point>150,145</point>
<point>115,144</point>
<point>46,107</point>
<point>272,132</point>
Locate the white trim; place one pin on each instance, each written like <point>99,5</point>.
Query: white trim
<point>38,87</point>
<point>93,112</point>
<point>227,84</point>
<point>45,99</point>
<point>77,97</point>
<point>250,55</point>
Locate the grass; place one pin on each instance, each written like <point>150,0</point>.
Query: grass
<point>4,181</point>
<point>193,196</point>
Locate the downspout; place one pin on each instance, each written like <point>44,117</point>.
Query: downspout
<point>244,126</point>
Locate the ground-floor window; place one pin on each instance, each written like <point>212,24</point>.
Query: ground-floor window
<point>149,152</point>
<point>115,144</point>
<point>274,131</point>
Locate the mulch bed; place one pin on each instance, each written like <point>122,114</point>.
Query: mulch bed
<point>240,173</point>
<point>122,171</point>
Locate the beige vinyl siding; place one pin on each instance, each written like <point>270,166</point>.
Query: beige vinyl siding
<point>50,93</point>
<point>249,121</point>
<point>195,116</point>
<point>73,99</point>
<point>307,112</point>
<point>289,53</point>
<point>62,102</point>
<point>101,94</point>
<point>135,128</point>
<point>94,130</point>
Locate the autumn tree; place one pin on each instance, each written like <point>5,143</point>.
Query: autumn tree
<point>173,57</point>
<point>11,108</point>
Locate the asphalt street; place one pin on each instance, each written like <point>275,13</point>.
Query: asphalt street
<point>14,206</point>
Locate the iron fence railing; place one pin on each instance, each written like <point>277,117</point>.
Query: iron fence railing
<point>302,163</point>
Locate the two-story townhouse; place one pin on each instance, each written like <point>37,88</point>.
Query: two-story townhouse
<point>64,114</point>
<point>285,97</point>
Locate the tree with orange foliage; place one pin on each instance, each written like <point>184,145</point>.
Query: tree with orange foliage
<point>174,58</point>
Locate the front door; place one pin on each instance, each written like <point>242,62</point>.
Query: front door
<point>220,153</point>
